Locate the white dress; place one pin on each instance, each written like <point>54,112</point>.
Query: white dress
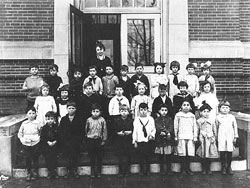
<point>43,104</point>
<point>155,81</point>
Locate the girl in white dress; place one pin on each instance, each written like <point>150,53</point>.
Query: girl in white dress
<point>158,78</point>
<point>44,103</point>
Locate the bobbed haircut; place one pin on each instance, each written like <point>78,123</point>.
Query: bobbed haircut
<point>124,107</point>
<point>96,106</point>
<point>50,114</point>
<point>54,66</point>
<point>32,108</point>
<point>174,64</point>
<point>138,65</point>
<point>124,68</point>
<point>182,84</point>
<point>100,45</point>
<point>143,105</point>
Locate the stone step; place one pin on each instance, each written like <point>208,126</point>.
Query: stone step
<point>237,165</point>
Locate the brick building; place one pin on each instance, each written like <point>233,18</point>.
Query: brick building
<point>52,31</point>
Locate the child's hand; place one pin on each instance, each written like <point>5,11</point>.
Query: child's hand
<point>135,145</point>
<point>127,132</point>
<point>234,141</point>
<point>150,137</point>
<point>121,133</point>
<point>162,133</point>
<point>102,143</point>
<point>168,136</point>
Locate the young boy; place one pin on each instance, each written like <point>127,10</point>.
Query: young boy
<point>162,99</point>
<point>96,132</point>
<point>180,97</point>
<point>138,78</point>
<point>123,127</point>
<point>124,80</point>
<point>49,138</point>
<point>174,78</point>
<point>94,80</point>
<point>71,136</point>
<point>164,138</point>
<point>32,85</point>
<point>192,80</point>
<point>75,85</point>
<point>144,132</point>
<point>54,81</point>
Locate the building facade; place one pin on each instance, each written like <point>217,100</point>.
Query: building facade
<point>64,32</point>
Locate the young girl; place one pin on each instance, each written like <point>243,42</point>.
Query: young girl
<point>207,137</point>
<point>44,103</point>
<point>210,98</point>
<point>205,69</point>
<point>185,130</point>
<point>158,78</point>
<point>164,138</point>
<point>62,100</point>
<point>192,80</point>
<point>227,136</point>
<point>29,135</point>
<point>138,99</point>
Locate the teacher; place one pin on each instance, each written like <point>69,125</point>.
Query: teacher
<point>100,61</point>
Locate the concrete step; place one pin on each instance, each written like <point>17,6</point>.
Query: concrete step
<point>237,165</point>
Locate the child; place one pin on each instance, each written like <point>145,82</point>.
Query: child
<point>227,136</point>
<point>158,78</point>
<point>75,85</point>
<point>138,78</point>
<point>210,98</point>
<point>49,137</point>
<point>29,135</point>
<point>180,97</point>
<point>94,80</point>
<point>96,132</point>
<point>62,100</point>
<point>174,78</point>
<point>123,127</point>
<point>140,98</point>
<point>124,80</point>
<point>44,103</point>
<point>207,137</point>
<point>144,132</point>
<point>164,138</point>
<point>205,69</point>
<point>185,130</point>
<point>71,136</point>
<point>192,80</point>
<point>87,100</point>
<point>32,85</point>
<point>162,99</point>
<point>54,81</point>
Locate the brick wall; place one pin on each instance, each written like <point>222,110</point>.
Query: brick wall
<point>214,19</point>
<point>245,20</point>
<point>26,20</point>
<point>12,76</point>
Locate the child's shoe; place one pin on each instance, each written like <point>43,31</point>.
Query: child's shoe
<point>169,170</point>
<point>92,173</point>
<point>75,174</point>
<point>229,170</point>
<point>223,169</point>
<point>28,178</point>
<point>66,176</point>
<point>34,174</point>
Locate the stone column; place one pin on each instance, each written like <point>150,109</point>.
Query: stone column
<point>178,32</point>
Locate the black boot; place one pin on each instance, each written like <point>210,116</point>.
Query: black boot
<point>141,172</point>
<point>183,166</point>
<point>229,161</point>
<point>223,162</point>
<point>34,174</point>
<point>127,170</point>
<point>169,169</point>
<point>99,172</point>
<point>66,176</point>
<point>204,166</point>
<point>189,172</point>
<point>28,177</point>
<point>92,173</point>
<point>208,164</point>
<point>147,169</point>
<point>75,174</point>
<point>120,173</point>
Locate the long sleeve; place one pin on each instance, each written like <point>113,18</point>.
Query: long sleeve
<point>235,127</point>
<point>111,106</point>
<point>133,104</point>
<point>153,129</point>
<point>54,107</point>
<point>104,132</point>
<point>135,134</point>
<point>20,133</point>
<point>176,126</point>
<point>36,104</point>
<point>195,130</point>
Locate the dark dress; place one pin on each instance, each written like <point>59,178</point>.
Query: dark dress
<point>178,100</point>
<point>54,82</point>
<point>75,89</point>
<point>156,104</point>
<point>101,65</point>
<point>133,81</point>
<point>126,87</point>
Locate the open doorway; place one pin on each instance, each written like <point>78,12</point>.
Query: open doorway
<point>85,30</point>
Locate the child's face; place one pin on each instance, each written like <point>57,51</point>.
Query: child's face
<point>89,90</point>
<point>139,70</point>
<point>96,113</point>
<point>175,69</point>
<point>31,115</point>
<point>158,69</point>
<point>185,106</point>
<point>99,51</point>
<point>50,120</point>
<point>45,91</point>
<point>71,110</point>
<point>224,109</point>
<point>183,89</point>
<point>64,94</point>
<point>143,112</point>
<point>206,71</point>
<point>124,113</point>
<point>162,92</point>
<point>77,75</point>
<point>33,71</point>
<point>205,113</point>
<point>163,111</point>
<point>124,72</point>
<point>53,72</point>
<point>119,91</point>
<point>109,70</point>
<point>141,89</point>
<point>207,88</point>
<point>190,70</point>
<point>92,72</point>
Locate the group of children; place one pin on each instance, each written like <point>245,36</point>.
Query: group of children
<point>167,115</point>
